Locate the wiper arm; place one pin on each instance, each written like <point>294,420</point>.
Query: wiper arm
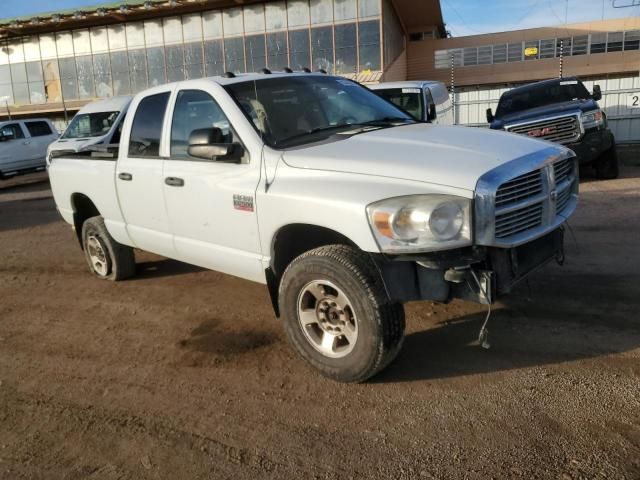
<point>388,121</point>
<point>316,130</point>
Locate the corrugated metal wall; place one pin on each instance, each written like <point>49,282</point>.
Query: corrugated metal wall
<point>471,105</point>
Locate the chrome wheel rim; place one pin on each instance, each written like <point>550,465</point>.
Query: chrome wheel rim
<point>327,319</point>
<point>97,256</point>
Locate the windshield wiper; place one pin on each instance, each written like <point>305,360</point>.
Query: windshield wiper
<point>318,130</point>
<point>388,121</point>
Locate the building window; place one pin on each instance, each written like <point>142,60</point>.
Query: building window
<point>214,57</point>
<point>321,11</point>
<point>547,48</point>
<point>369,41</point>
<point>563,45</point>
<point>298,13</point>
<point>368,8</point>
<point>614,41</point>
<point>156,66</point>
<point>275,15</point>
<point>299,49</point>
<point>500,53</point>
<point>69,78</point>
<point>346,48</point>
<point>234,55</point>
<point>344,10</point>
<point>484,55</point>
<point>193,61</point>
<point>470,56</point>
<point>514,52</point>
<point>232,21</point>
<point>5,84</point>
<point>138,70</point>
<point>598,43</point>
<point>102,75</point>
<point>120,72</point>
<point>255,52</point>
<point>175,63</point>
<point>84,66</point>
<point>322,48</point>
<point>442,59</point>
<point>632,40</point>
<point>580,45</point>
<point>254,18</point>
<point>277,53</point>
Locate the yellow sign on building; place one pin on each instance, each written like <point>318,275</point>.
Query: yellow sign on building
<point>531,51</point>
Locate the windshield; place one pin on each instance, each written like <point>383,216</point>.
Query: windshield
<point>540,96</point>
<point>410,100</point>
<point>294,111</point>
<point>90,125</point>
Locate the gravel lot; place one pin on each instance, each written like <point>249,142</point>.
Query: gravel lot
<point>185,373</point>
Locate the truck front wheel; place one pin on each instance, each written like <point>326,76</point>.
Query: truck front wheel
<point>337,315</point>
<point>107,258</point>
<point>607,167</point>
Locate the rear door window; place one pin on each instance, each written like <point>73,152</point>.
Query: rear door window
<point>38,129</point>
<point>146,130</point>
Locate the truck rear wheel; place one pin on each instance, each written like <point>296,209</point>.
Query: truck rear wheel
<point>107,258</point>
<point>607,167</point>
<point>337,315</point>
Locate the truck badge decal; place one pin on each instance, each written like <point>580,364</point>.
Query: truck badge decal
<point>243,202</point>
<point>541,132</point>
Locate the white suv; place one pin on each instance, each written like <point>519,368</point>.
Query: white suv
<point>23,145</point>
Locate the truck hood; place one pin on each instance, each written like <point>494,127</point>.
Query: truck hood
<point>548,110</point>
<point>452,156</point>
<point>74,144</point>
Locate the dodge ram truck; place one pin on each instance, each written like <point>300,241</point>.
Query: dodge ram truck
<point>343,205</point>
<point>563,111</point>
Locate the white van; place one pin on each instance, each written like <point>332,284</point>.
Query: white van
<point>97,123</point>
<point>424,100</point>
<point>23,145</point>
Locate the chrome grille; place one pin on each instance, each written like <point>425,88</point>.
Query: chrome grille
<point>559,130</point>
<point>563,169</point>
<point>563,200</point>
<point>520,188</point>
<point>530,203</point>
<point>518,221</point>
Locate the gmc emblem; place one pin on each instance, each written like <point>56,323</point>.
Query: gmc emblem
<point>541,132</point>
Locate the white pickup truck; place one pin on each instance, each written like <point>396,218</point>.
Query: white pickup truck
<point>342,204</point>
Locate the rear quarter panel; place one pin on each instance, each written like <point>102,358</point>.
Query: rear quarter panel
<point>96,180</point>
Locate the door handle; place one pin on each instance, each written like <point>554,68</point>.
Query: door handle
<point>127,177</point>
<point>26,143</point>
<point>174,181</point>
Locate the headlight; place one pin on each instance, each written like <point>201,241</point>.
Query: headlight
<point>593,119</point>
<point>421,223</point>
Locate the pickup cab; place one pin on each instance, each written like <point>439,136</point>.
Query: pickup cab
<point>424,100</point>
<point>23,145</point>
<point>561,110</point>
<point>343,205</point>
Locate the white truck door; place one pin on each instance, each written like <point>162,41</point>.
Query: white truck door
<point>139,177</point>
<point>14,149</point>
<point>211,204</point>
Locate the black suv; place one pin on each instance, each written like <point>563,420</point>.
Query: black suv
<point>563,111</point>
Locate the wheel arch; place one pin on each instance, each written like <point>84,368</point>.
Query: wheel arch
<point>83,209</point>
<point>291,241</point>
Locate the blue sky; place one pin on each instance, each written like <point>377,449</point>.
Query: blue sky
<point>463,17</point>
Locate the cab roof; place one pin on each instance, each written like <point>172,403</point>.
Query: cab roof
<point>113,104</point>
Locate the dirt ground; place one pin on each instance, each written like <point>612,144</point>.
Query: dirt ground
<point>182,373</point>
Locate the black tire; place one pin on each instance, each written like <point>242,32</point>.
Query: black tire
<point>380,324</point>
<point>118,260</point>
<point>607,166</point>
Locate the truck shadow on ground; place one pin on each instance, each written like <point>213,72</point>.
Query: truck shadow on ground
<point>545,329</point>
<point>27,212</point>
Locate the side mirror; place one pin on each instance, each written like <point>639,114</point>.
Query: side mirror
<point>208,144</point>
<point>490,116</point>
<point>431,114</point>
<point>597,93</point>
